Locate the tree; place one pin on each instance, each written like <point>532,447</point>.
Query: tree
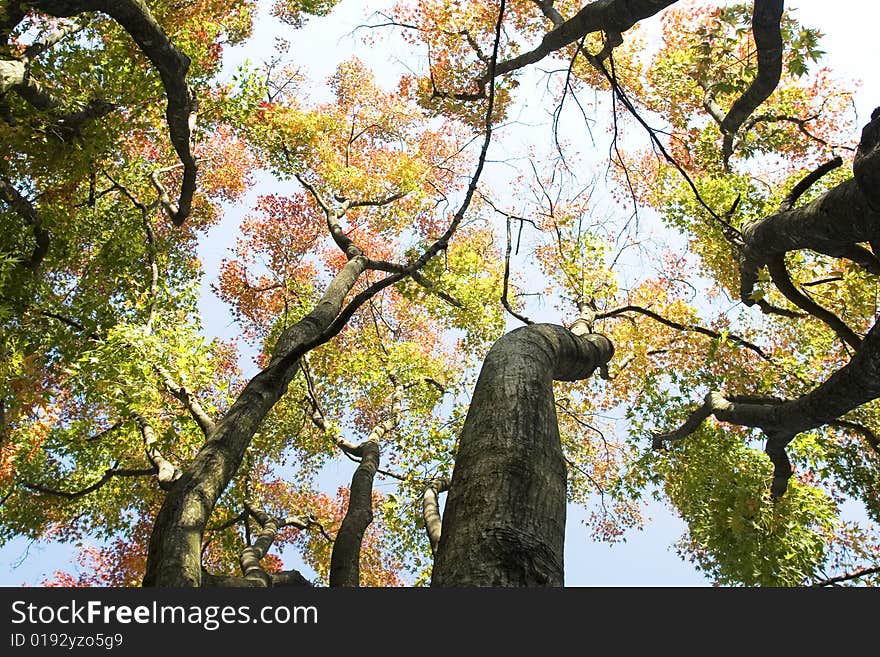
<point>370,284</point>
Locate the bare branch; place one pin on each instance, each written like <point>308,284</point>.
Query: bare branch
<point>757,414</point>
<point>504,300</point>
<point>27,211</point>
<point>345,558</point>
<point>779,275</point>
<point>804,184</point>
<point>109,473</point>
<point>682,327</point>
<point>611,16</point>
<point>418,277</point>
<point>185,396</point>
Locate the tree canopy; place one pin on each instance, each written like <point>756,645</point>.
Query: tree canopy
<point>683,237</point>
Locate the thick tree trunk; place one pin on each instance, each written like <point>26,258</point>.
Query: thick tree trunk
<point>174,557</point>
<point>504,521</point>
<point>833,224</point>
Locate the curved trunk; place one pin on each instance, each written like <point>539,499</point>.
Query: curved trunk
<point>504,521</point>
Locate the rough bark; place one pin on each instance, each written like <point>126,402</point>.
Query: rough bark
<point>284,578</point>
<point>834,224</point>
<point>779,275</point>
<point>504,520</point>
<point>26,210</point>
<point>174,554</point>
<point>345,558</point>
<point>167,473</point>
<point>866,167</point>
<point>431,510</point>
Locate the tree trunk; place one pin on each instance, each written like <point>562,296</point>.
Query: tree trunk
<point>504,521</point>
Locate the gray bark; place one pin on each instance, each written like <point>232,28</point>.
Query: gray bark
<point>856,383</point>
<point>833,224</point>
<point>346,556</point>
<point>504,520</point>
<point>431,510</point>
<point>26,210</point>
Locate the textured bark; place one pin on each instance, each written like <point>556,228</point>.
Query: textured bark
<point>12,74</point>
<point>174,557</point>
<point>504,520</point>
<point>829,225</point>
<point>834,224</point>
<point>779,275</point>
<point>431,510</point>
<point>856,383</point>
<point>284,578</point>
<point>251,556</point>
<point>167,473</point>
<point>866,166</point>
<point>26,210</point>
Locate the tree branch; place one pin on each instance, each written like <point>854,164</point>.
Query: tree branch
<point>856,574</point>
<point>135,18</point>
<point>612,16</point>
<point>345,558</point>
<point>747,414</point>
<point>767,32</point>
<point>856,383</point>
<point>167,472</point>
<point>185,396</point>
<point>834,224</point>
<point>683,327</point>
<point>779,275</point>
<point>418,277</point>
<point>504,301</point>
<point>26,210</point>
<point>109,473</point>
<point>431,510</point>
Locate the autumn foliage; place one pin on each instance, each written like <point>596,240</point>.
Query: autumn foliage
<point>112,382</point>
